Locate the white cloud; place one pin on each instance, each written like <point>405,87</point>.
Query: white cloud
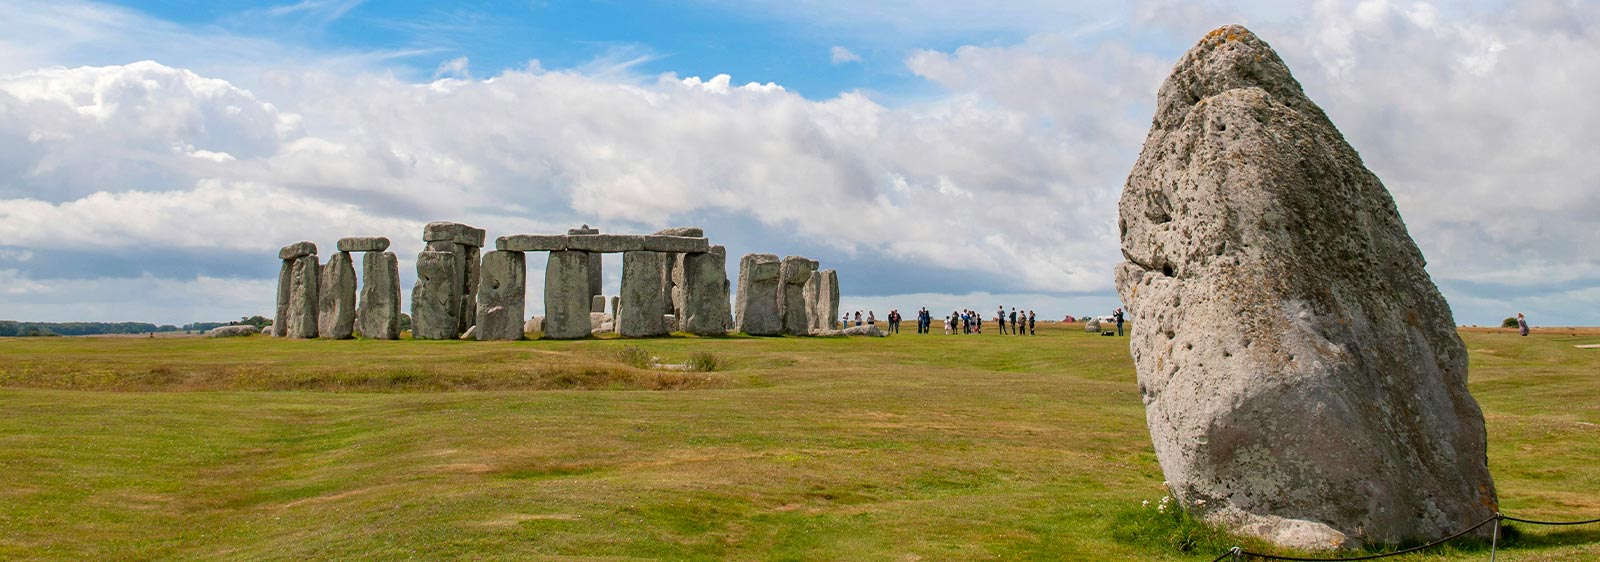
<point>1011,170</point>
<point>841,55</point>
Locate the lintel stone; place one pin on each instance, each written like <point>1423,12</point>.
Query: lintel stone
<point>297,250</point>
<point>531,243</point>
<point>454,232</point>
<point>363,244</point>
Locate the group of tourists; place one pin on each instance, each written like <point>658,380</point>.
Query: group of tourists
<point>1018,322</point>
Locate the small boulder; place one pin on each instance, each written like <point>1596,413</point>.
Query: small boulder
<point>232,331</point>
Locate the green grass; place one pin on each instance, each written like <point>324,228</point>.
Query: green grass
<point>905,448</point>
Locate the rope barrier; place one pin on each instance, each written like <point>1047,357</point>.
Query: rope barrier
<point>1238,553</point>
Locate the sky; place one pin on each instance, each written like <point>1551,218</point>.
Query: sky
<point>155,155</point>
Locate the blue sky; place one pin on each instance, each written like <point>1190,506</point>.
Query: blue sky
<point>153,155</point>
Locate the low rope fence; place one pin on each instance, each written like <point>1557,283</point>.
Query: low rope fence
<point>1237,554</point>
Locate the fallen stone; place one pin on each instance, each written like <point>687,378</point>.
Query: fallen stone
<point>566,295</point>
<point>533,325</point>
<point>598,319</point>
<point>531,243</point>
<point>232,331</point>
<point>301,316</point>
<point>336,298</point>
<point>1302,376</point>
<point>826,333</point>
<point>607,327</point>
<point>297,250</point>
<point>870,330</point>
<point>793,272</point>
<point>1091,325</point>
<point>641,295</point>
<point>704,279</point>
<point>267,331</point>
<point>455,233</point>
<point>364,244</point>
<point>756,302</point>
<point>378,312</point>
<point>502,296</point>
<point>472,334</point>
<point>434,299</point>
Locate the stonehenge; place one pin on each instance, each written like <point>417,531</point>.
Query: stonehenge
<point>672,280</point>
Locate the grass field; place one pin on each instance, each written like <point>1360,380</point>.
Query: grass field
<point>905,448</point>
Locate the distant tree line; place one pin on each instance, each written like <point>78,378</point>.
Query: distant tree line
<point>12,328</point>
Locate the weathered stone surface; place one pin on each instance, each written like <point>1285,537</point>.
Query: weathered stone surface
<point>267,331</point>
<point>597,303</point>
<point>821,293</point>
<point>1092,325</point>
<point>531,243</point>
<point>300,318</point>
<point>676,244</point>
<point>641,295</point>
<point>566,295</point>
<point>363,244</point>
<point>502,296</point>
<point>793,272</point>
<point>826,333</point>
<point>1301,374</point>
<point>616,305</point>
<point>869,330</point>
<point>281,318</point>
<point>456,233</point>
<point>378,312</point>
<point>704,289</point>
<point>297,250</point>
<point>595,273</point>
<point>685,231</point>
<point>472,334</point>
<point>608,243</point>
<point>434,300</point>
<point>469,288</point>
<point>232,331</point>
<point>756,302</point>
<point>585,229</point>
<point>828,299</point>
<point>533,325</point>
<point>336,298</point>
<point>597,320</point>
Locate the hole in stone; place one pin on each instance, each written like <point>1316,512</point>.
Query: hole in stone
<point>1163,218</point>
<point>1166,270</point>
<point>1222,127</point>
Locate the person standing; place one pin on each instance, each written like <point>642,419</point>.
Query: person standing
<point>858,318</point>
<point>871,319</point>
<point>1118,316</point>
<point>1014,330</point>
<point>1000,318</point>
<point>1031,319</point>
<point>1522,324</point>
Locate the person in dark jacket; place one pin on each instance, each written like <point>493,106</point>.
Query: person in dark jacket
<point>1118,316</point>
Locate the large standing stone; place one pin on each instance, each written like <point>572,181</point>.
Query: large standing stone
<point>756,303</point>
<point>566,295</point>
<point>434,300</point>
<point>336,297</point>
<point>288,254</point>
<point>595,277</point>
<point>469,285</point>
<point>793,272</point>
<point>704,292</point>
<point>378,313</point>
<point>1301,374</point>
<point>597,303</point>
<point>301,315</point>
<point>502,296</point>
<point>641,295</point>
<point>281,319</point>
<point>822,299</point>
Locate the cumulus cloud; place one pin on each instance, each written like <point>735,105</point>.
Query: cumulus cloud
<point>1001,184</point>
<point>841,55</point>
